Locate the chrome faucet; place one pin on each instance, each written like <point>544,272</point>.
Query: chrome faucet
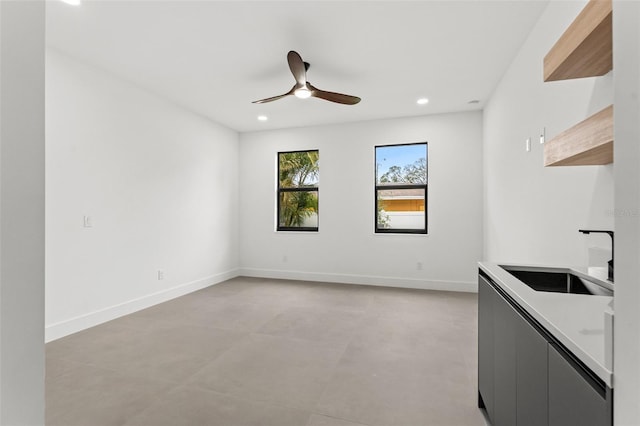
<point>609,263</point>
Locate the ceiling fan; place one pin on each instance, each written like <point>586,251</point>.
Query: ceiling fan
<point>303,89</point>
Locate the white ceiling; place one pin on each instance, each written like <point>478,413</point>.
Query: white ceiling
<point>215,57</point>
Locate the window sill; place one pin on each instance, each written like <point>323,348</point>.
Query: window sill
<point>413,234</point>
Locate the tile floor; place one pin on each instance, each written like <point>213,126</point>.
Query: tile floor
<point>271,352</point>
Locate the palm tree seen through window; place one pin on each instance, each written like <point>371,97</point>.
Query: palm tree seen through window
<point>298,174</point>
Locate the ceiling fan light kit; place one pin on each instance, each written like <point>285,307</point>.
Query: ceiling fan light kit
<point>303,89</point>
<point>302,93</point>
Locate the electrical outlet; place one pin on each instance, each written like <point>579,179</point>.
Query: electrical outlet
<point>160,274</point>
<point>88,222</point>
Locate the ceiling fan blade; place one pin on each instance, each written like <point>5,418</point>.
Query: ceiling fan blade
<point>297,67</point>
<point>275,98</point>
<point>333,97</point>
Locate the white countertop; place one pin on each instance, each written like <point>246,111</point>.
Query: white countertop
<point>576,320</point>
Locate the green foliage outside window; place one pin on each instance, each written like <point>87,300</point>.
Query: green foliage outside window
<point>411,173</point>
<point>298,190</point>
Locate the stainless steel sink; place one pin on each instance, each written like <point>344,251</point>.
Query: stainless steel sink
<point>557,281</point>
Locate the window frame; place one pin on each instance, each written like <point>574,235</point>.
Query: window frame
<point>377,187</point>
<point>281,190</point>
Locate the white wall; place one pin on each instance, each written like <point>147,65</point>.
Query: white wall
<point>531,213</point>
<point>22,151</point>
<point>626,54</point>
<point>160,186</point>
<point>346,249</point>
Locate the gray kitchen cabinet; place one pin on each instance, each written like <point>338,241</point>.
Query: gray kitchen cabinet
<point>508,348</point>
<point>525,378</point>
<point>486,299</point>
<point>505,320</point>
<point>573,400</point>
<point>531,391</point>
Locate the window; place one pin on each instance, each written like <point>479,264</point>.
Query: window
<point>298,191</point>
<point>401,188</point>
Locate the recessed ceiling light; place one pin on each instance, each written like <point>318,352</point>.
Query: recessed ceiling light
<point>72,2</point>
<point>422,101</point>
<point>262,118</point>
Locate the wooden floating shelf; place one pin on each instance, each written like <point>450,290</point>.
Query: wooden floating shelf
<point>588,143</point>
<point>585,48</point>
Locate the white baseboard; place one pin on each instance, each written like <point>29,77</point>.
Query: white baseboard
<point>91,319</point>
<point>470,287</point>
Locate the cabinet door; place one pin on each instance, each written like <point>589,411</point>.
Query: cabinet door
<point>504,363</point>
<point>486,296</point>
<point>572,399</point>
<point>531,391</point>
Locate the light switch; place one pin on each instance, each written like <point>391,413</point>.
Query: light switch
<point>543,135</point>
<point>88,222</point>
<point>527,144</point>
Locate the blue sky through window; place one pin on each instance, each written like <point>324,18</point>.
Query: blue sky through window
<point>398,155</point>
